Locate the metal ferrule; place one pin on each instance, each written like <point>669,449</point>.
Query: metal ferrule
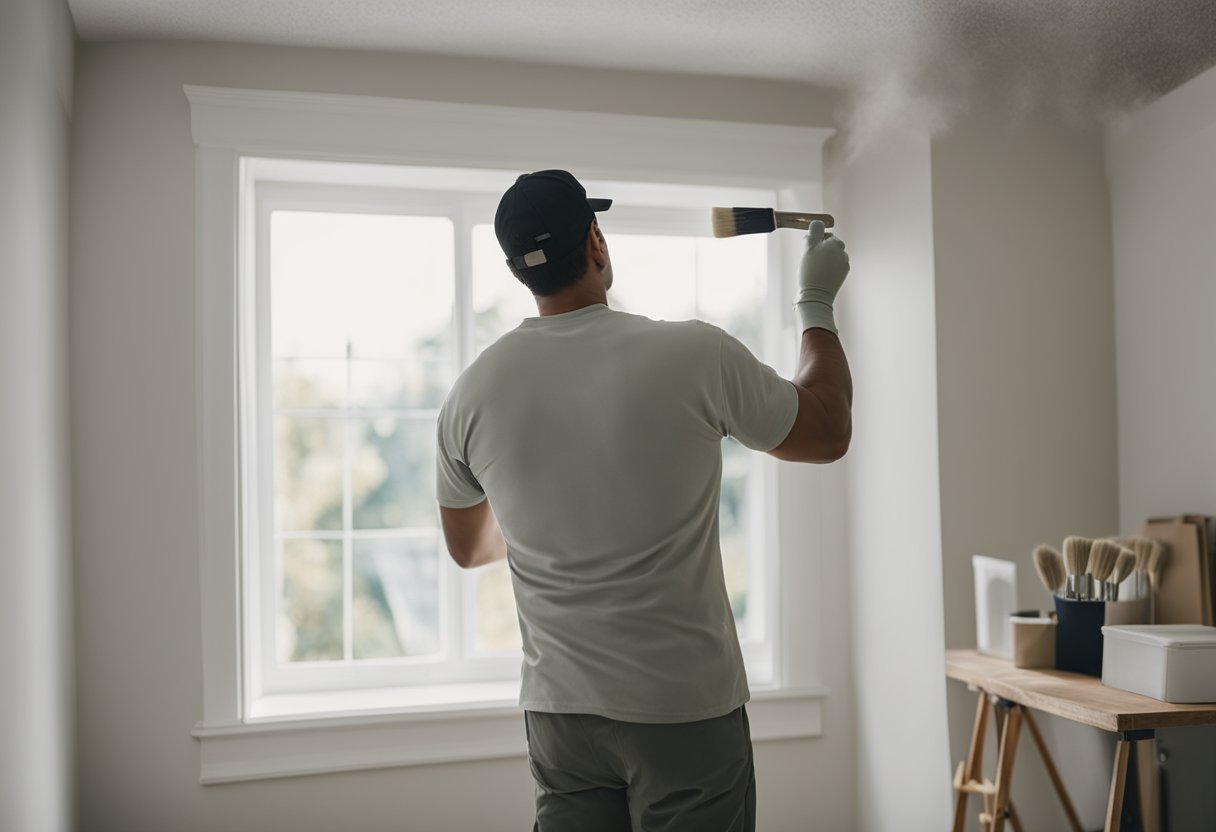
<point>1079,588</point>
<point>1140,585</point>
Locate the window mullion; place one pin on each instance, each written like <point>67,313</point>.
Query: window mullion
<point>348,456</point>
<point>462,313</point>
<point>457,594</point>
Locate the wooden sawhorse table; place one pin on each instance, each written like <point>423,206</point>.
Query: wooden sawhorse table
<point>1013,692</point>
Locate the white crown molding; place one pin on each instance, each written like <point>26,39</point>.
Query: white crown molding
<point>410,131</point>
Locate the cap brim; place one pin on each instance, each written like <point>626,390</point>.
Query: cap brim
<point>599,204</point>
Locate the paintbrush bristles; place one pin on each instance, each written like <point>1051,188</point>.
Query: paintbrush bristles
<point>723,222</point>
<point>731,222</point>
<point>1142,546</point>
<point>1123,566</point>
<point>1102,558</point>
<point>1156,562</point>
<point>1076,554</point>
<point>1050,566</point>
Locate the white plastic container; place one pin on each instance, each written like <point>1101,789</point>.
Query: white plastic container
<point>1171,662</point>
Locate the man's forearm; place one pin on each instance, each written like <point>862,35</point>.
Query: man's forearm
<point>824,370</point>
<point>472,535</point>
<point>823,427</point>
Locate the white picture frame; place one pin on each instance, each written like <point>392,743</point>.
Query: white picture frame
<point>996,598</point>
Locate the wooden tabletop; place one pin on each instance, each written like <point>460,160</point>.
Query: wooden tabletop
<point>1073,696</point>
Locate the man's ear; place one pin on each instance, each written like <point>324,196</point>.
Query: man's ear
<point>597,247</point>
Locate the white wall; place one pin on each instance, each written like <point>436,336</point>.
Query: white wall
<point>892,517</point>
<point>978,320</point>
<point>1162,167</point>
<point>132,315</point>
<point>1026,390</point>
<point>36,42</point>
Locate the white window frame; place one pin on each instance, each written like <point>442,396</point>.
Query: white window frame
<point>271,185</point>
<point>402,726</point>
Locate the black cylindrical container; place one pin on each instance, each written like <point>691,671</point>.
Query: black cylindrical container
<point>1079,636</point>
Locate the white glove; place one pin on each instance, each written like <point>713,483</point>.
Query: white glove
<point>824,268</point>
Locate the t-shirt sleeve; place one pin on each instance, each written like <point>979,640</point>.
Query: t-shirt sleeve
<point>758,406</point>
<point>455,485</point>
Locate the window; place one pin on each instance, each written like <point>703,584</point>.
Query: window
<point>362,674</point>
<point>367,302</point>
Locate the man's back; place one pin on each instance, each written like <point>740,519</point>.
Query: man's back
<point>596,436</point>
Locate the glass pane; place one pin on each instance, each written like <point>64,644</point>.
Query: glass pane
<point>500,301</point>
<point>393,474</point>
<point>420,382</point>
<point>310,601</point>
<point>396,598</point>
<point>381,285</point>
<point>307,473</point>
<point>313,383</point>
<point>733,525</point>
<point>731,276</point>
<point>497,622</point>
<point>654,276</point>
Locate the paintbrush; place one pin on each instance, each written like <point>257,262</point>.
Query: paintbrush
<point>1123,568</point>
<point>731,222</point>
<point>1050,566</point>
<point>1076,559</point>
<point>1143,547</point>
<point>1102,558</point>
<point>1156,562</point>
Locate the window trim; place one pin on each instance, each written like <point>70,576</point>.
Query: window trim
<point>229,124</point>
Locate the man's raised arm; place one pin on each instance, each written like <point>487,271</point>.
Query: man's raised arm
<point>824,424</point>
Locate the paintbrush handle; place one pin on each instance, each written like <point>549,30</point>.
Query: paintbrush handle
<point>797,219</point>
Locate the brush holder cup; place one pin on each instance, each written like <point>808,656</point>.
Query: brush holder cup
<point>1079,635</point>
<point>1079,630</point>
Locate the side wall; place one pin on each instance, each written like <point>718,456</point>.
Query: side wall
<point>1162,167</point>
<point>132,313</point>
<point>36,51</point>
<point>892,515</point>
<point>1026,390</point>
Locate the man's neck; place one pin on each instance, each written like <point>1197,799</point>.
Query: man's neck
<point>570,299</point>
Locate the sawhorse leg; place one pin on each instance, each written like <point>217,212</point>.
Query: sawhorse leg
<point>971,771</point>
<point>1010,732</point>
<point>1118,779</point>
<point>969,779</point>
<point>997,797</point>
<point>1147,777</point>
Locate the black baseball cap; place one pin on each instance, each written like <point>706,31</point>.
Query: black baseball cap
<point>543,217</point>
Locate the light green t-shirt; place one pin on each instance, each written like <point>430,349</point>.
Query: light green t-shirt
<point>596,435</point>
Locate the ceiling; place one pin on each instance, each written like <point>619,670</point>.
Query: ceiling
<point>1113,50</point>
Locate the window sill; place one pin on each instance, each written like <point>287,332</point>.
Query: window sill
<point>300,735</point>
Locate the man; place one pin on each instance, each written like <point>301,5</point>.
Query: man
<point>595,435</point>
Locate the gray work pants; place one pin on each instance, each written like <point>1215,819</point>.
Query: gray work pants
<point>601,775</point>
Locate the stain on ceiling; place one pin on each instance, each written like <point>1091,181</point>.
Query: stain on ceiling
<point>1113,52</point>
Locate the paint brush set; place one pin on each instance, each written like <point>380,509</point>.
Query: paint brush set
<point>1100,570</point>
<point>1095,583</point>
